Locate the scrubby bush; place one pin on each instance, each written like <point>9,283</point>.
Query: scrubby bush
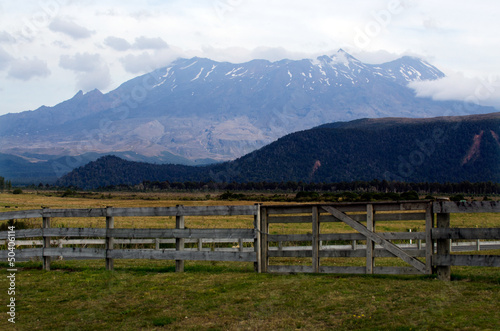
<point>457,197</point>
<point>68,193</point>
<point>410,195</point>
<point>231,196</point>
<point>349,196</point>
<point>307,196</point>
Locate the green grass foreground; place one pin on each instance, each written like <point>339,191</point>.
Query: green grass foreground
<point>82,295</point>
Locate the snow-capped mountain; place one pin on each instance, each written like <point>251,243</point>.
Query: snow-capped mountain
<point>198,108</point>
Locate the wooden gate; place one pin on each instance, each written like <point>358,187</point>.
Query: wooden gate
<point>323,242</point>
<point>285,238</point>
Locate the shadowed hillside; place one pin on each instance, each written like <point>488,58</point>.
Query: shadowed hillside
<point>447,149</point>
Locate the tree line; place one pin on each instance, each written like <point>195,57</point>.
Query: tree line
<point>373,186</point>
<point>5,184</point>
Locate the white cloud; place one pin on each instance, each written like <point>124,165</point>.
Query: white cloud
<point>5,59</point>
<point>91,71</point>
<point>138,63</point>
<point>484,90</point>
<point>118,44</point>
<point>97,79</point>
<point>149,43</point>
<point>148,61</point>
<point>377,57</point>
<point>143,14</point>
<point>453,36</point>
<point>6,37</point>
<point>242,54</point>
<point>26,69</point>
<point>141,43</point>
<point>61,44</point>
<point>83,62</point>
<point>276,54</point>
<point>70,28</point>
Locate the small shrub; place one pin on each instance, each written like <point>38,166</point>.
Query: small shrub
<point>367,196</point>
<point>393,196</point>
<point>69,193</point>
<point>17,191</point>
<point>307,196</point>
<point>231,196</point>
<point>411,195</point>
<point>457,197</point>
<point>349,196</point>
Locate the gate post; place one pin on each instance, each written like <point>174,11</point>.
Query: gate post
<point>264,229</point>
<point>443,246</point>
<point>179,242</point>
<point>370,244</point>
<point>429,244</point>
<point>315,239</point>
<point>257,240</point>
<point>110,224</point>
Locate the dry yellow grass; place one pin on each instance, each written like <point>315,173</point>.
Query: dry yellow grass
<point>35,200</point>
<point>147,294</point>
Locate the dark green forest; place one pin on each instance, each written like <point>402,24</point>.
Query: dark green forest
<point>440,151</point>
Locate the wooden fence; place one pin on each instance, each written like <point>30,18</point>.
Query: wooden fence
<point>179,235</point>
<point>265,245</point>
<point>443,258</point>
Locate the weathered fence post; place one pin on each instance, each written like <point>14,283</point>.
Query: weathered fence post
<point>429,244</point>
<point>315,239</point>
<point>110,224</point>
<point>264,245</point>
<point>443,246</point>
<point>256,241</point>
<point>46,240</point>
<point>370,244</point>
<point>179,242</point>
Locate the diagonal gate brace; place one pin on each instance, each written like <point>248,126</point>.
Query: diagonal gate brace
<point>376,238</point>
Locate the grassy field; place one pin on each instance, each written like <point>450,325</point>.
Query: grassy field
<point>148,294</point>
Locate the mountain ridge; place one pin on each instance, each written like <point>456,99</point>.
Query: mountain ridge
<point>222,110</point>
<point>200,109</point>
<point>426,150</point>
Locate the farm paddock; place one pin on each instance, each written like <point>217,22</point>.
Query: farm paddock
<point>230,295</point>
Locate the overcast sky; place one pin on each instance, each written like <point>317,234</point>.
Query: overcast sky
<point>51,49</point>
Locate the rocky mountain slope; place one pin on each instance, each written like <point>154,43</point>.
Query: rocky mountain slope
<point>197,111</point>
<point>445,149</point>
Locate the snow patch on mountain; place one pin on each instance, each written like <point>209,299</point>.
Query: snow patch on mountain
<point>200,108</point>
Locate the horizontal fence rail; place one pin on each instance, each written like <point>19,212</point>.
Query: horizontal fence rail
<point>443,259</point>
<point>448,207</point>
<point>129,212</point>
<point>110,236</point>
<point>429,250</point>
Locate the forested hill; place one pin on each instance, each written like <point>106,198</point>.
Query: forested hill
<point>447,149</point>
<point>111,170</point>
